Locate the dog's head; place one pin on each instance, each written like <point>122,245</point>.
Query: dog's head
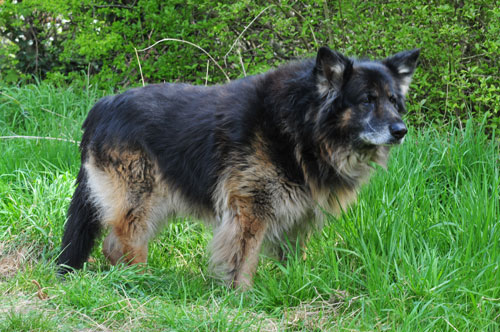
<point>363,101</point>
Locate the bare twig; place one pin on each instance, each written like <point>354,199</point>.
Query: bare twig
<point>244,30</point>
<point>150,34</point>
<point>290,7</point>
<point>314,36</point>
<point>189,43</point>
<point>474,56</point>
<point>342,25</point>
<point>326,12</point>
<point>140,68</point>
<point>241,63</point>
<point>40,137</point>
<point>206,75</point>
<point>88,75</point>
<point>36,45</point>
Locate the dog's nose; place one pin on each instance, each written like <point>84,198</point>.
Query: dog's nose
<point>398,130</point>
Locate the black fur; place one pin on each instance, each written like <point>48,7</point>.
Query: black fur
<point>194,133</point>
<point>81,229</point>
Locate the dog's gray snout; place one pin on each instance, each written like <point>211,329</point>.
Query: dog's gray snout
<point>398,130</point>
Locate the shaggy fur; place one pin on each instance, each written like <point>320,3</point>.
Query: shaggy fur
<point>260,158</point>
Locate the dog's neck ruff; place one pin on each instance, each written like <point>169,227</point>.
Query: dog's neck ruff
<point>354,167</point>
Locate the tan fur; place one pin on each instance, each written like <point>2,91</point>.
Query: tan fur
<point>134,202</point>
<point>237,241</point>
<point>122,188</point>
<point>346,117</point>
<point>248,218</point>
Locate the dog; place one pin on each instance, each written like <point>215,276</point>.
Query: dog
<point>261,158</point>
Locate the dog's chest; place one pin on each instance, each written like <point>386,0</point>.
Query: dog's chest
<point>353,166</point>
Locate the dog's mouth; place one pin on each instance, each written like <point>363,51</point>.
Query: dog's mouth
<point>395,141</point>
<point>372,141</point>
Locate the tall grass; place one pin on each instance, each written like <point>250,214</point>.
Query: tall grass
<point>420,251</point>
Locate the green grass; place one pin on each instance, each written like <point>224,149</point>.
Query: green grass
<point>419,252</point>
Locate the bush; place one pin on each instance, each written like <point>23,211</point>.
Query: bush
<point>59,40</point>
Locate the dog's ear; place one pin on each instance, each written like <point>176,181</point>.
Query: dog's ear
<point>332,68</point>
<point>403,65</point>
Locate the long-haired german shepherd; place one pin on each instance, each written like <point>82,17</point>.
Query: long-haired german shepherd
<point>260,158</point>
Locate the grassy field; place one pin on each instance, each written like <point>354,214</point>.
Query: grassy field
<point>419,252</point>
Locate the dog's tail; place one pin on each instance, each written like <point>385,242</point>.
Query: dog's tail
<point>81,229</point>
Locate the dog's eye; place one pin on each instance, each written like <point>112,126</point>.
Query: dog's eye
<point>369,99</point>
<point>393,100</point>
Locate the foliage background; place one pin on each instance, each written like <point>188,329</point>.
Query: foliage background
<point>63,40</point>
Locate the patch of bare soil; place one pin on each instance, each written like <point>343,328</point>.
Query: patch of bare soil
<point>11,260</point>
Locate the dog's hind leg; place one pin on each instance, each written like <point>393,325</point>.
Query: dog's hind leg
<point>128,238</point>
<point>236,245</point>
<point>123,183</point>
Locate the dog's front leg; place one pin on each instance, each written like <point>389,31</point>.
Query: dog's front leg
<point>236,245</point>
